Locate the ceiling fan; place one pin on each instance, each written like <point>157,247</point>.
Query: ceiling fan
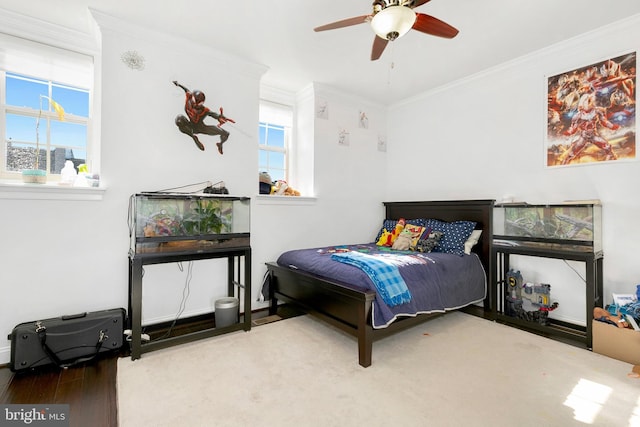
<point>391,19</point>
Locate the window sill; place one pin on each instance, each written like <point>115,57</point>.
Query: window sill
<point>50,191</point>
<point>266,199</point>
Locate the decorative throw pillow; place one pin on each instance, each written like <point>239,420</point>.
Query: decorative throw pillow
<point>455,234</point>
<point>472,241</point>
<point>430,242</point>
<point>415,231</point>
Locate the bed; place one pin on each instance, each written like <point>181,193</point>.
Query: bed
<point>350,307</point>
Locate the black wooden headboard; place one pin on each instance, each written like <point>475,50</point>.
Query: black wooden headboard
<point>480,211</point>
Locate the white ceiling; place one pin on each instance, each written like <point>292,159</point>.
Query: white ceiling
<point>279,34</point>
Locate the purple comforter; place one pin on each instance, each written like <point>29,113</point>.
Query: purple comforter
<point>437,282</point>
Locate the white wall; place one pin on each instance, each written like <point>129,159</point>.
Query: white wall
<point>62,257</point>
<point>347,181</point>
<point>482,137</point>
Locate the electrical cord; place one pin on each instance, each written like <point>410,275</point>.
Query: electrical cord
<point>183,303</point>
<point>202,185</point>
<point>575,271</point>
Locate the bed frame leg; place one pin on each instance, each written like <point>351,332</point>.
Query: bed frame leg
<point>365,347</point>
<point>365,336</point>
<point>273,306</point>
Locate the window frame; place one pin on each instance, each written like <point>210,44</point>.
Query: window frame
<point>265,119</point>
<point>74,42</point>
<point>284,150</point>
<point>46,118</point>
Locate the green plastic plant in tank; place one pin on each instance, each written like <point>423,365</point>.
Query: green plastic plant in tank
<point>203,218</point>
<point>210,216</point>
<point>191,220</point>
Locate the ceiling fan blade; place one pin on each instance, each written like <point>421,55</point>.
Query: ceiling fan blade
<point>378,47</point>
<point>418,3</point>
<point>430,25</point>
<point>344,23</point>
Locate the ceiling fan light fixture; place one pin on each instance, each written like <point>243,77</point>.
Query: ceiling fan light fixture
<point>393,22</point>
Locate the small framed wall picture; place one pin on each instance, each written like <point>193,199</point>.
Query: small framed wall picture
<point>343,137</point>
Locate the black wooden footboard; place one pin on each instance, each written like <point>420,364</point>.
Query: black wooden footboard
<point>342,307</point>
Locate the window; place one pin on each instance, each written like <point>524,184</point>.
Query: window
<point>45,107</point>
<point>36,135</point>
<point>275,138</point>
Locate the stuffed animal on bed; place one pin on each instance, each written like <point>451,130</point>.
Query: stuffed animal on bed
<point>387,238</point>
<point>403,241</point>
<point>427,245</point>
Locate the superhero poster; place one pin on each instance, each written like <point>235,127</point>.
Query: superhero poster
<point>591,113</point>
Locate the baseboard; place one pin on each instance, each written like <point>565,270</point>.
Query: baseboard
<point>5,356</point>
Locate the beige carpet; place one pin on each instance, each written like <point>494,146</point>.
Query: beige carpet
<point>457,370</point>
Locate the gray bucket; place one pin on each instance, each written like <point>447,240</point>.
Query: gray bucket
<point>227,311</point>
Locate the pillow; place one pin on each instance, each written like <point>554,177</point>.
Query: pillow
<point>415,232</point>
<point>390,224</point>
<point>429,242</point>
<point>455,234</point>
<point>472,241</point>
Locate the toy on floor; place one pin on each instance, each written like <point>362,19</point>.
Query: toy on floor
<point>528,301</point>
<point>604,315</point>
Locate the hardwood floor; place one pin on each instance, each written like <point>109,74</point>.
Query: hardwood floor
<point>89,389</point>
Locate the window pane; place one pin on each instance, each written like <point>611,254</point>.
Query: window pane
<point>275,138</point>
<point>72,100</point>
<point>276,174</point>
<point>76,154</point>
<point>59,155</point>
<point>23,129</point>
<point>276,160</point>
<point>20,156</point>
<point>273,130</point>
<point>68,134</point>
<point>262,160</point>
<point>25,93</point>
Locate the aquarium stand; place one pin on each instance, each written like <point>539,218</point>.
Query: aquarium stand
<point>175,227</point>
<point>235,258</point>
<point>570,231</point>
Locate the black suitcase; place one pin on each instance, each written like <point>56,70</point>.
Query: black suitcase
<point>66,340</point>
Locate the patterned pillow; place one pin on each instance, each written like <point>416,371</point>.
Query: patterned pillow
<point>455,234</point>
<point>416,232</point>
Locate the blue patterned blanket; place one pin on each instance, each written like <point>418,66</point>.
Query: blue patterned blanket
<point>384,275</point>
